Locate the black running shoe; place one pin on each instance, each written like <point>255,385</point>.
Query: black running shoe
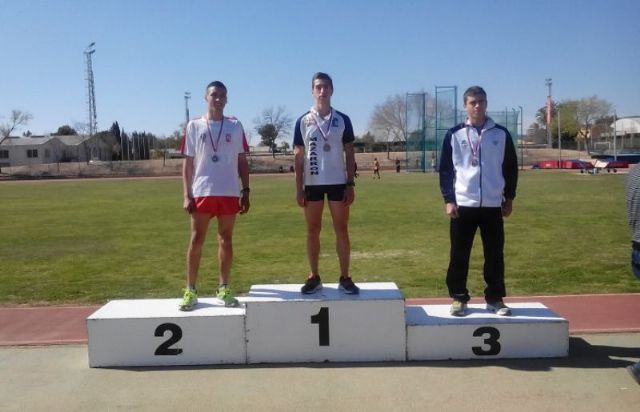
<point>312,285</point>
<point>348,287</point>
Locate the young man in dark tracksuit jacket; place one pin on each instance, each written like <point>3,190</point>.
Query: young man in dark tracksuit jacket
<point>478,178</point>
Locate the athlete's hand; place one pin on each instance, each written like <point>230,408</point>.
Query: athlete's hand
<point>189,204</point>
<point>452,210</point>
<point>507,207</point>
<point>244,203</point>
<point>349,195</point>
<point>300,198</point>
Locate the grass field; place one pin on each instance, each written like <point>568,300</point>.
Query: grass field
<point>88,241</point>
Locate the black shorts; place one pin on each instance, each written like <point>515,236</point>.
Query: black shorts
<point>315,193</point>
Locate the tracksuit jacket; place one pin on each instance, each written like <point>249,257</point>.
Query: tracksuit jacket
<point>496,176</point>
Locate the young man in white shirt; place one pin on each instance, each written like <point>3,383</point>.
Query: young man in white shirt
<point>215,164</point>
<point>325,165</point>
<point>478,179</point>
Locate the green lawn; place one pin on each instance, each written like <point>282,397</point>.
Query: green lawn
<point>89,241</point>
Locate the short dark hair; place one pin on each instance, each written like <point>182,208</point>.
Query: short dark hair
<point>216,83</point>
<point>321,76</point>
<point>474,91</point>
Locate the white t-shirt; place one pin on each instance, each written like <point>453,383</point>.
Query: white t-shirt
<point>323,140</point>
<point>219,177</point>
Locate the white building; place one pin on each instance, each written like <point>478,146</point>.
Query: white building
<point>19,151</point>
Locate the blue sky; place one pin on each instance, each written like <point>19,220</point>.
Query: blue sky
<point>148,53</point>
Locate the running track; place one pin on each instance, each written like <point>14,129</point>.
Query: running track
<point>61,325</point>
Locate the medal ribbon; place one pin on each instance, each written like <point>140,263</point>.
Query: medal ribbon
<point>215,146</point>
<point>316,120</point>
<point>474,149</point>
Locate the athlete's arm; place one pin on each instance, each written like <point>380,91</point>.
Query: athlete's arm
<point>298,166</point>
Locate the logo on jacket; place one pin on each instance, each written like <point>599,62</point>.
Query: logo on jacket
<point>228,137</point>
<point>334,123</point>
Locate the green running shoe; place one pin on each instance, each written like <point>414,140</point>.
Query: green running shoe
<point>189,300</point>
<point>226,296</point>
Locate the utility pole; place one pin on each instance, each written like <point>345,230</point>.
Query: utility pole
<point>548,83</point>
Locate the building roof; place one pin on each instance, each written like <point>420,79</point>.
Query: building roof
<point>627,125</point>
<point>26,141</point>
<point>72,140</point>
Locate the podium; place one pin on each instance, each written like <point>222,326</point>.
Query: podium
<point>284,325</point>
<point>153,332</point>
<point>532,331</point>
<point>278,324</point>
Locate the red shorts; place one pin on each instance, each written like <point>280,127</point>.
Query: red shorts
<point>218,205</point>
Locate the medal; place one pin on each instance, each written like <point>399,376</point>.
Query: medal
<point>215,146</point>
<point>475,150</point>
<point>325,135</point>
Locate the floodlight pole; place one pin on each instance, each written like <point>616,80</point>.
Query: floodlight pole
<point>548,83</point>
<point>615,136</point>
<point>559,142</point>
<point>91,96</point>
<point>187,96</point>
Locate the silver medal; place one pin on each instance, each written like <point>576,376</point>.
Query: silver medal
<point>474,162</point>
<point>214,158</point>
<point>326,147</point>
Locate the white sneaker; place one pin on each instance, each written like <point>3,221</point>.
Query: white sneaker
<point>499,308</point>
<point>458,308</point>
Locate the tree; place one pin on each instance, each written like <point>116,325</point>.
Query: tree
<point>579,119</point>
<point>66,130</point>
<point>142,143</point>
<point>389,118</point>
<point>115,132</point>
<point>18,118</point>
<point>588,111</point>
<point>284,147</point>
<point>272,125</point>
<point>536,134</point>
<point>364,142</point>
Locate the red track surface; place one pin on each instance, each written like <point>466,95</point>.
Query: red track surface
<point>52,325</point>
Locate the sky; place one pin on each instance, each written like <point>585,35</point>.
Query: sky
<point>150,52</point>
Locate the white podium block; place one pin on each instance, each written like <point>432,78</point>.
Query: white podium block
<point>283,325</point>
<point>153,332</point>
<point>533,331</point>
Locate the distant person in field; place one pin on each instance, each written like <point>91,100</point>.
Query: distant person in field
<point>632,187</point>
<point>478,179</point>
<point>397,165</point>
<point>325,167</point>
<point>376,168</point>
<point>215,182</point>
